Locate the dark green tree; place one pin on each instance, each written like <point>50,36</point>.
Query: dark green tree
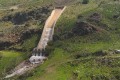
<point>85,2</point>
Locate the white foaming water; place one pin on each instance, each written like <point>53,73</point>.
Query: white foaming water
<point>37,59</point>
<point>17,72</point>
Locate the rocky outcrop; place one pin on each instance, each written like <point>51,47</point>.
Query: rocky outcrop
<point>95,17</point>
<point>26,34</point>
<point>21,17</point>
<point>21,23</point>
<point>10,39</point>
<point>83,28</point>
<point>4,44</point>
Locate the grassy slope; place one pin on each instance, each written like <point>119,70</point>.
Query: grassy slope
<point>24,6</point>
<point>63,64</point>
<point>8,60</point>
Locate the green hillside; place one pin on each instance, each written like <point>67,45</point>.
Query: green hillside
<point>85,44</point>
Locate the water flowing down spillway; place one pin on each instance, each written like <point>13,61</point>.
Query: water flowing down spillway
<point>47,35</point>
<point>38,56</point>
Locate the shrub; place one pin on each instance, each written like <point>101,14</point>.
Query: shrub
<point>85,2</point>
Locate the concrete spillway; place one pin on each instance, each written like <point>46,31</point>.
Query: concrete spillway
<point>47,35</point>
<point>49,28</point>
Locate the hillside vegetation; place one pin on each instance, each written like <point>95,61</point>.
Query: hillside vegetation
<point>86,38</point>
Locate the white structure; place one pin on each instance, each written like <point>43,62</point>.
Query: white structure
<point>37,59</point>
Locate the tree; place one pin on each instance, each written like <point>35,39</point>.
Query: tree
<point>85,2</point>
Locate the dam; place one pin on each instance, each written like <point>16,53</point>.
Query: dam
<point>38,56</point>
<point>47,35</point>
